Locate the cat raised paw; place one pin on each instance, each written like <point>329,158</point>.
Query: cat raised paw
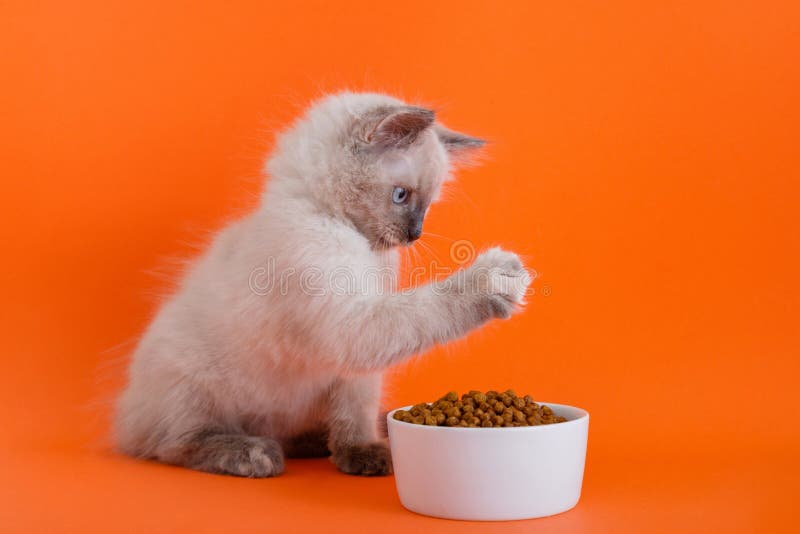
<point>499,277</point>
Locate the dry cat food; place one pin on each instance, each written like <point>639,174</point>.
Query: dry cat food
<point>476,409</point>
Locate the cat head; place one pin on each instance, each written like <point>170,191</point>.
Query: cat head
<point>371,159</point>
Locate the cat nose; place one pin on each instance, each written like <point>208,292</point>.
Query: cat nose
<point>414,230</point>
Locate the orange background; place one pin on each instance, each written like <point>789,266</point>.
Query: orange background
<point>644,160</point>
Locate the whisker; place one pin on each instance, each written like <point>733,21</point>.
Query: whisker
<point>430,250</point>
<point>415,252</point>
<point>437,235</point>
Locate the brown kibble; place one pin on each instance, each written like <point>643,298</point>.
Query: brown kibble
<point>476,409</point>
<point>453,412</point>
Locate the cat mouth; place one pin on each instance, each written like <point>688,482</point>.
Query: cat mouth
<point>391,240</point>
<point>385,242</point>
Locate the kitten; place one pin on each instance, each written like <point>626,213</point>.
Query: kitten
<point>235,371</point>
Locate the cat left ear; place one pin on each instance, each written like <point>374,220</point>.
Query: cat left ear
<point>458,144</point>
<point>401,126</point>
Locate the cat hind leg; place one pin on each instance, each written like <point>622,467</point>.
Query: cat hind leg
<point>229,454</point>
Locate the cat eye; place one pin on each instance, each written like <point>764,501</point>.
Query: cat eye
<point>400,195</point>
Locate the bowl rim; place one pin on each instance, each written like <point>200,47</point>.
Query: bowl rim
<point>584,416</point>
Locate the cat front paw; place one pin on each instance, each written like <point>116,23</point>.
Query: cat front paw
<point>373,459</point>
<point>501,280</point>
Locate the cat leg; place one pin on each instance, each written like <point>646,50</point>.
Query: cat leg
<point>353,427</point>
<point>393,327</point>
<point>226,453</point>
<point>310,444</point>
<point>166,418</point>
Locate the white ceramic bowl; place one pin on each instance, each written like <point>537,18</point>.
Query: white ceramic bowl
<point>490,474</point>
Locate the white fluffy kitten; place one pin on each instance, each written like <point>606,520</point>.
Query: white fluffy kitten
<point>231,374</point>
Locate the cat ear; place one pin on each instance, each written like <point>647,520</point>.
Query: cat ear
<point>399,127</point>
<point>457,144</point>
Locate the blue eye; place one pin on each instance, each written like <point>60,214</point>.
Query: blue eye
<point>400,195</point>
